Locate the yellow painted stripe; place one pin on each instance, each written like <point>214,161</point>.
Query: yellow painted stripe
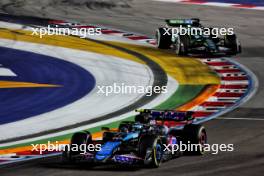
<point>13,84</point>
<point>66,42</point>
<point>185,70</point>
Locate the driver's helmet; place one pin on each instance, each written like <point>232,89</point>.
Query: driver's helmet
<point>124,129</point>
<point>163,129</point>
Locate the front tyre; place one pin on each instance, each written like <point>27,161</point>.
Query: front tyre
<point>151,149</point>
<point>182,45</point>
<point>163,38</point>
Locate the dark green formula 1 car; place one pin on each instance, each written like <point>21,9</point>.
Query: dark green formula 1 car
<point>188,36</point>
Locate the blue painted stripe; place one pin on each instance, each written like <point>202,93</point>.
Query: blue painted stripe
<point>21,103</point>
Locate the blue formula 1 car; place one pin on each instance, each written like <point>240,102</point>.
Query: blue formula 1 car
<point>147,141</point>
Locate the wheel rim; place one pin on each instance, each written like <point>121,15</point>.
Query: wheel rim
<point>158,152</point>
<point>158,38</point>
<point>178,46</point>
<point>203,138</point>
<point>202,141</point>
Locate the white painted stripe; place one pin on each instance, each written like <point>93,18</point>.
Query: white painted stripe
<point>257,8</point>
<point>218,4</point>
<point>88,60</point>
<point>6,72</point>
<point>213,108</point>
<point>232,90</point>
<point>204,108</point>
<point>106,70</point>
<point>223,67</point>
<point>7,155</point>
<point>215,99</point>
<point>155,102</point>
<point>212,60</point>
<point>232,82</point>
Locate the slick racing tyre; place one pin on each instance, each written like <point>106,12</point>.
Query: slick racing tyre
<point>195,134</point>
<point>151,149</point>
<point>163,39</point>
<point>78,139</point>
<point>182,45</point>
<point>231,42</point>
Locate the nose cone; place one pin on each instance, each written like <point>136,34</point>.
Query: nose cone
<point>106,150</point>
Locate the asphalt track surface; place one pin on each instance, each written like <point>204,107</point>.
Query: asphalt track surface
<point>144,16</point>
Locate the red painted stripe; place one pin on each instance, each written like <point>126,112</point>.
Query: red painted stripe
<point>208,103</point>
<point>233,86</point>
<point>228,94</point>
<point>219,63</point>
<point>84,26</point>
<point>228,71</point>
<point>194,1</point>
<point>56,21</point>
<point>28,153</point>
<point>244,6</point>
<point>201,114</point>
<point>234,78</point>
<point>137,37</point>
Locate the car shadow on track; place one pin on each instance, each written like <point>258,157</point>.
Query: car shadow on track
<point>56,163</point>
<point>88,166</point>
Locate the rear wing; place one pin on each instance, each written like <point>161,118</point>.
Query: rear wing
<point>183,22</point>
<point>167,115</point>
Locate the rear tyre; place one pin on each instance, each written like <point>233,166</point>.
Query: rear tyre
<point>78,139</point>
<point>163,38</point>
<point>232,42</point>
<point>195,134</point>
<point>151,149</point>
